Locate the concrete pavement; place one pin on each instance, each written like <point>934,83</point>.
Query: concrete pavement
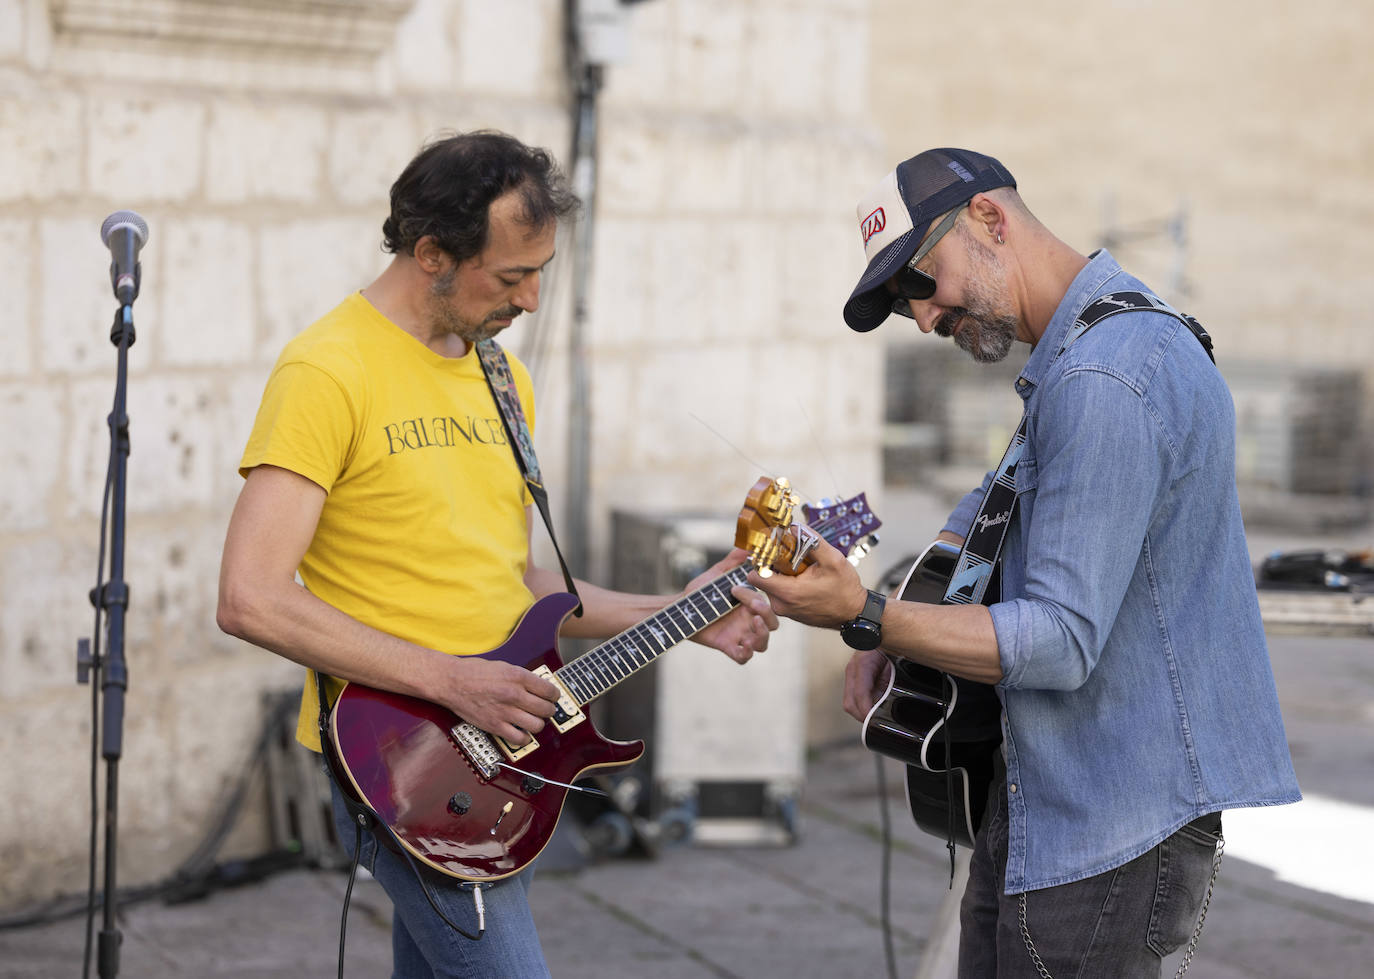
<point>813,909</point>
<point>807,910</point>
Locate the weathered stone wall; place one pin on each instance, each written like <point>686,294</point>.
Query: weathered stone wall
<point>259,142</point>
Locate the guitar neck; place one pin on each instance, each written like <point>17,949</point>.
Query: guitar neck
<point>604,666</point>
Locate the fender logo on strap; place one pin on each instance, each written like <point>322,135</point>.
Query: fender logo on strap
<point>984,521</point>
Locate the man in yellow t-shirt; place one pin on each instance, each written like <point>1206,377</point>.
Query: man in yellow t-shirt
<point>378,470</point>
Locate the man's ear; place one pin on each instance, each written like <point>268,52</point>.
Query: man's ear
<point>988,214</point>
<point>431,256</point>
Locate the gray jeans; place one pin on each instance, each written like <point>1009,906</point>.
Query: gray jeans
<point>1119,924</point>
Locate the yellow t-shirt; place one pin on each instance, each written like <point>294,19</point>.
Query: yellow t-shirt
<point>423,533</point>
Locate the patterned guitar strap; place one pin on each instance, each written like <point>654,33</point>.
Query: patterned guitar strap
<point>968,584</point>
<point>983,546</point>
<point>973,571</point>
<point>502,385</point>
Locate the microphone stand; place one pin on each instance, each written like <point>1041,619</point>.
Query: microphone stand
<point>112,598</point>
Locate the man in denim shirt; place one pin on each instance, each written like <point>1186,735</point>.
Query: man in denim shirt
<point>1127,649</point>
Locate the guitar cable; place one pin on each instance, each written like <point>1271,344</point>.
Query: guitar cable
<point>885,885</point>
<point>947,688</point>
<point>348,891</point>
<point>96,665</point>
<point>553,781</point>
<point>364,817</point>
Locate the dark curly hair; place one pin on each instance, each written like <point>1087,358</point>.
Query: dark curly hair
<point>447,189</point>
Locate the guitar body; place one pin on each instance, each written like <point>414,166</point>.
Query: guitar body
<point>402,759</point>
<point>470,805</point>
<point>924,710</point>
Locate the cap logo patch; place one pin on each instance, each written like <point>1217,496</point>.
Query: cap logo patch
<point>959,171</point>
<point>872,224</point>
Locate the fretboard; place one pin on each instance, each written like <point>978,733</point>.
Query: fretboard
<point>600,668</point>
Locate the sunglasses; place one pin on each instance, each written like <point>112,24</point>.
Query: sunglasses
<point>909,282</point>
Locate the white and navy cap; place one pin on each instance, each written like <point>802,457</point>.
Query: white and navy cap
<point>894,215</point>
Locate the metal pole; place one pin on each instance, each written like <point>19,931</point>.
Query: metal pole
<point>576,519</point>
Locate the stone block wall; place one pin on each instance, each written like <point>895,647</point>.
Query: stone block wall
<point>259,145</point>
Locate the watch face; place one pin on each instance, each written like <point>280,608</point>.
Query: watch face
<point>861,634</point>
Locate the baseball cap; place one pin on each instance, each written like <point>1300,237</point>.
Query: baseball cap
<point>893,217</point>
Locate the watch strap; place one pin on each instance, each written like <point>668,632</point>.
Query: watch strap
<point>873,607</point>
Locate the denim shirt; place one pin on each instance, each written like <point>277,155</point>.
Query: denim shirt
<point>1137,689</point>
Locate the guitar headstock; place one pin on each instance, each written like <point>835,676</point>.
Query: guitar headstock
<point>849,525</point>
<point>775,542</point>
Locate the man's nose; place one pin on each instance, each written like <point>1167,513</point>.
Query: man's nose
<point>527,297</point>
<point>923,314</point>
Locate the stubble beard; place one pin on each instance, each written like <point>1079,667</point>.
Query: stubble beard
<point>444,320</point>
<point>984,333</point>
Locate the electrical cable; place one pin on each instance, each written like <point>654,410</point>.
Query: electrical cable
<point>885,885</point>
<point>197,874</point>
<point>362,816</point>
<point>94,677</point>
<point>348,891</point>
<point>201,860</point>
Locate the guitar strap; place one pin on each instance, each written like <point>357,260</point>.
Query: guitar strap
<point>973,571</point>
<point>1123,302</point>
<point>496,370</point>
<point>983,545</point>
<point>502,385</point>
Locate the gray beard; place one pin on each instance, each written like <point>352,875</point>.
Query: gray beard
<point>986,335</point>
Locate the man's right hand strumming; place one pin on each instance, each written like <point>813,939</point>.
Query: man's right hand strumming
<point>500,698</point>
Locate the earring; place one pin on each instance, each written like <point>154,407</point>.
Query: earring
<point>1000,240</point>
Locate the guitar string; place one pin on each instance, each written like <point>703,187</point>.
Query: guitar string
<point>768,470</point>
<point>597,658</point>
<point>607,657</point>
<point>820,449</point>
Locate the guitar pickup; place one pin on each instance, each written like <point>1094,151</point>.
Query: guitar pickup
<point>566,714</point>
<point>514,752</point>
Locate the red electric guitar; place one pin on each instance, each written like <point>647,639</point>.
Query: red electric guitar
<point>475,807</point>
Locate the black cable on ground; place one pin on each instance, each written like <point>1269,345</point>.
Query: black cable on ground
<point>94,679</point>
<point>885,897</point>
<point>198,875</point>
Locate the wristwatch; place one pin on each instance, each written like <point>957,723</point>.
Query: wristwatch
<point>865,631</point>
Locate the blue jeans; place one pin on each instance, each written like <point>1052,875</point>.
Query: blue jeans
<point>1120,923</point>
<point>423,946</point>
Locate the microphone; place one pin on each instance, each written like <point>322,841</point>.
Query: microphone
<point>124,233</point>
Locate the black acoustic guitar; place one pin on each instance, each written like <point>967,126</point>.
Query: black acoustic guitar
<point>944,728</point>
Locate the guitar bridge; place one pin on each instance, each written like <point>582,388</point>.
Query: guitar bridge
<point>479,747</point>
